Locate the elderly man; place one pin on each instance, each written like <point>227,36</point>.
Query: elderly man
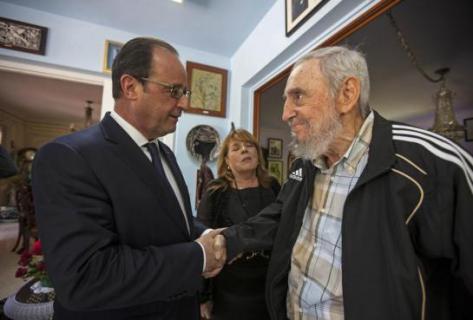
<point>112,206</point>
<point>375,220</point>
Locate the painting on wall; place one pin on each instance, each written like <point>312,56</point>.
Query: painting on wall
<point>290,159</point>
<point>298,11</point>
<point>111,50</point>
<point>209,89</point>
<point>22,36</point>
<point>275,169</point>
<point>274,148</point>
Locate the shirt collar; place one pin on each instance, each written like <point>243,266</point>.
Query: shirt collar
<point>357,149</point>
<point>134,134</point>
<point>360,144</point>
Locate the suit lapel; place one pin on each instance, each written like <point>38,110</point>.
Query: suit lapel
<point>126,150</point>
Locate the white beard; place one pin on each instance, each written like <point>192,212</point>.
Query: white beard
<point>321,136</point>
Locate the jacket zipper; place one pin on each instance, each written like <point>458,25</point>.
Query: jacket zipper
<point>409,218</point>
<point>424,297</point>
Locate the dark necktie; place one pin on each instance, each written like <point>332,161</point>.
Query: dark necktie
<point>158,166</point>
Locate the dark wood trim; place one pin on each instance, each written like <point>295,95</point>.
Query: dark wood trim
<point>360,22</point>
<point>257,98</point>
<point>355,25</point>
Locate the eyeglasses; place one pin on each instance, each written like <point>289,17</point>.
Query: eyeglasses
<point>175,90</point>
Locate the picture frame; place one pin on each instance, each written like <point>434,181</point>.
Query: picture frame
<point>468,124</point>
<point>23,36</point>
<point>275,169</point>
<point>110,52</point>
<point>290,159</point>
<point>274,148</point>
<point>299,11</point>
<point>208,85</point>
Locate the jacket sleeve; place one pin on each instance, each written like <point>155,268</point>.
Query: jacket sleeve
<point>463,226</point>
<point>257,233</point>
<point>90,268</point>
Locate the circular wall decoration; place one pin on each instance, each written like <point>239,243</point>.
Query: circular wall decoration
<point>202,142</point>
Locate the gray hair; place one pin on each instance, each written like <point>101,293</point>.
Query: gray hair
<point>336,64</point>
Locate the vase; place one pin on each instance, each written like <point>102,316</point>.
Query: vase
<point>28,305</point>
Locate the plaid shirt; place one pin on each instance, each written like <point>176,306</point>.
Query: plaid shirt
<point>315,279</point>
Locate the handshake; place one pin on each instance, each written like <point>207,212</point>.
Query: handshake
<point>215,252</point>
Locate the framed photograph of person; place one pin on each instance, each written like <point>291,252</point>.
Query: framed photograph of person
<point>274,148</point>
<point>298,11</point>
<point>209,89</point>
<point>468,123</point>
<point>111,50</point>
<point>290,159</point>
<point>22,36</point>
<point>275,169</point>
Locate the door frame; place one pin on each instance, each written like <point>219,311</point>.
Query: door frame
<point>353,26</point>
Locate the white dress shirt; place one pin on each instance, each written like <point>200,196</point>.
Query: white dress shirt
<point>141,141</point>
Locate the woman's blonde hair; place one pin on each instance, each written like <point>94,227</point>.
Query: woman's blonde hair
<point>224,173</point>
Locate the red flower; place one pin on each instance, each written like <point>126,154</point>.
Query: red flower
<point>37,248</point>
<point>25,258</point>
<point>40,266</point>
<point>32,265</point>
<point>20,272</point>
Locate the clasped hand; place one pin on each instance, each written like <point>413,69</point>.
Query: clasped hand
<point>215,252</point>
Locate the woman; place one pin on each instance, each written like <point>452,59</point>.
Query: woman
<point>241,191</point>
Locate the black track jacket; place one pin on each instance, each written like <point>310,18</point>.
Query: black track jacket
<point>407,229</point>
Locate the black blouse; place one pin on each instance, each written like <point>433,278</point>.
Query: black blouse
<point>238,291</point>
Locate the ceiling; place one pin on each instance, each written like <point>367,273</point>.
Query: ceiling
<point>438,32</point>
<point>216,26</point>
<point>47,100</point>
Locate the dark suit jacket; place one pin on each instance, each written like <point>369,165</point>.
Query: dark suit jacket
<point>115,248</point>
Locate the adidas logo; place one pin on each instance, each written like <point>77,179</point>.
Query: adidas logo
<point>296,175</point>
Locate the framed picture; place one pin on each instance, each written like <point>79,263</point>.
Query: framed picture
<point>209,89</point>
<point>274,148</point>
<point>111,50</point>
<point>22,36</point>
<point>290,159</point>
<point>275,169</point>
<point>298,11</point>
<point>468,123</point>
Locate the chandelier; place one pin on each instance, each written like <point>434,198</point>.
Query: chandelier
<point>445,122</point>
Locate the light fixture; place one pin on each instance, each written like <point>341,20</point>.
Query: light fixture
<point>445,122</point>
<point>178,1</point>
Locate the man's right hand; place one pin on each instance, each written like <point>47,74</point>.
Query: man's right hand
<point>215,252</point>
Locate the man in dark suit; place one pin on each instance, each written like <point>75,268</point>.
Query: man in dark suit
<point>112,206</point>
